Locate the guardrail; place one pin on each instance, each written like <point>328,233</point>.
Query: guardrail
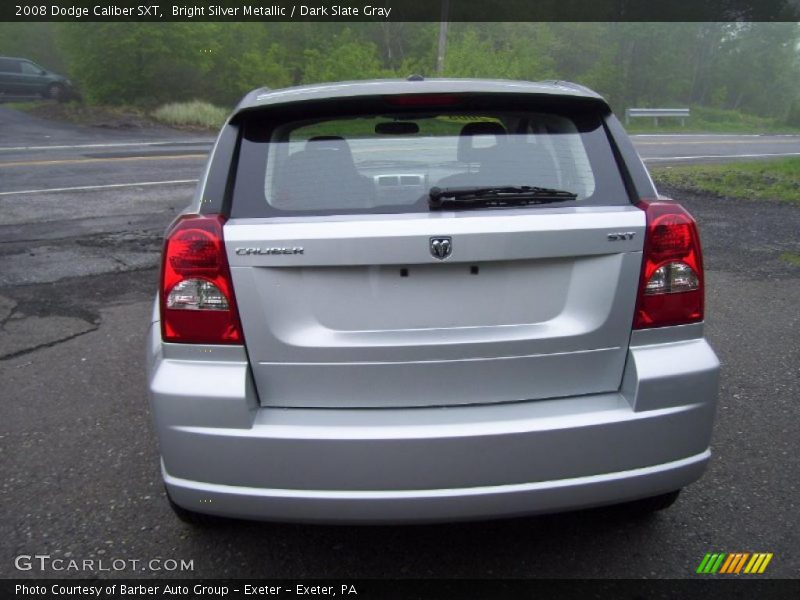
<point>655,113</point>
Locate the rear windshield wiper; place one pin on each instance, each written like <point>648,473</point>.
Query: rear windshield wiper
<point>495,196</point>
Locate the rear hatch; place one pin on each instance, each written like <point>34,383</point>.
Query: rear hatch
<point>354,292</point>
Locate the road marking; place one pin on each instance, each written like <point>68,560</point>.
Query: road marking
<point>719,156</point>
<point>100,187</point>
<point>761,141</point>
<point>719,135</point>
<point>72,161</point>
<point>112,145</point>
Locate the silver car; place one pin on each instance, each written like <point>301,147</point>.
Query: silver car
<point>428,300</point>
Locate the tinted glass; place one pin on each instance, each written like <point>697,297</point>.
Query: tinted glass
<point>31,69</point>
<point>387,163</point>
<point>8,65</point>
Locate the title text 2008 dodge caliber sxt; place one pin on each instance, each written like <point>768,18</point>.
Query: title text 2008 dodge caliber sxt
<point>428,300</point>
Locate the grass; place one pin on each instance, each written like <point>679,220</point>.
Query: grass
<point>191,114</point>
<point>24,106</point>
<point>792,258</point>
<point>773,179</point>
<point>711,120</point>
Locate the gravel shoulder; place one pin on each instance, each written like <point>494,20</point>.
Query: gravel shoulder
<point>743,236</point>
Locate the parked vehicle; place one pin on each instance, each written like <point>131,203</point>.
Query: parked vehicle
<point>428,300</point>
<point>20,77</point>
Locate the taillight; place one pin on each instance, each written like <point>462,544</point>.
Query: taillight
<point>671,284</point>
<point>196,296</point>
<point>423,100</point>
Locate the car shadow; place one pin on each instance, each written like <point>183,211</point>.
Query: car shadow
<point>544,546</point>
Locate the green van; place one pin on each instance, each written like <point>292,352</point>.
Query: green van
<point>22,77</point>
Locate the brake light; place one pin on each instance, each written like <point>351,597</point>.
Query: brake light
<point>423,100</point>
<point>671,282</point>
<point>196,295</point>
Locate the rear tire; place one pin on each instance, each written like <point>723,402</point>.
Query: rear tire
<point>57,92</point>
<point>195,519</point>
<point>654,504</point>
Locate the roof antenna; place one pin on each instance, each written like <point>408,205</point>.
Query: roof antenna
<point>415,77</point>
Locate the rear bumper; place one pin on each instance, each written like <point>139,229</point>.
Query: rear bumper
<point>223,454</point>
<point>437,505</point>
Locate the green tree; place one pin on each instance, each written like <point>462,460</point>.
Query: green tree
<point>759,66</point>
<point>33,41</point>
<point>504,51</point>
<point>245,56</point>
<point>139,62</point>
<point>344,58</point>
<point>752,67</point>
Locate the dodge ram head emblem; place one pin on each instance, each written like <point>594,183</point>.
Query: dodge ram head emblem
<point>441,247</point>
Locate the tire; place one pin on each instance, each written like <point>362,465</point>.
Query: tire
<point>195,519</point>
<point>654,504</point>
<point>57,92</point>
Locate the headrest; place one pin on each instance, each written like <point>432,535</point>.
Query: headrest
<point>466,150</point>
<point>324,142</point>
<point>483,128</point>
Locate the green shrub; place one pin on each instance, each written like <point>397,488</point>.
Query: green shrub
<point>191,114</point>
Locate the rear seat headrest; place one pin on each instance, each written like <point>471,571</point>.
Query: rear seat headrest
<point>466,151</point>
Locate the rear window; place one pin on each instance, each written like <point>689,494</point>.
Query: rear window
<point>386,162</point>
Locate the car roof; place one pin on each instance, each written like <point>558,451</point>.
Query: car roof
<point>22,58</point>
<point>353,89</point>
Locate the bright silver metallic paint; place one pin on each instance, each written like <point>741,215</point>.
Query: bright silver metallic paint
<point>465,462</point>
<point>339,411</point>
<point>339,327</point>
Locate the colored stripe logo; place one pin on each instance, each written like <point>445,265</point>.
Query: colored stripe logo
<point>734,563</point>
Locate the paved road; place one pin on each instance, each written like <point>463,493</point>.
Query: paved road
<point>714,148</point>
<point>79,467</point>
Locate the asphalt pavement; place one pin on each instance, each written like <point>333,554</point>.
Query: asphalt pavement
<point>82,210</point>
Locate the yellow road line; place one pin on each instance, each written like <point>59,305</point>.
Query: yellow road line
<point>72,161</point>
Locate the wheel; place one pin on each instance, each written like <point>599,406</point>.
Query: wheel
<point>195,519</point>
<point>56,91</point>
<point>647,506</point>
